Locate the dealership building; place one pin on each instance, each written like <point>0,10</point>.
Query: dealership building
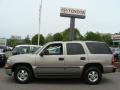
<point>116,40</point>
<point>3,41</point>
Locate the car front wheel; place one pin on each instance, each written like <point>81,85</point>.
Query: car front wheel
<point>22,74</point>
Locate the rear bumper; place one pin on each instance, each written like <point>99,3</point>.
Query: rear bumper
<point>114,69</point>
<point>109,69</point>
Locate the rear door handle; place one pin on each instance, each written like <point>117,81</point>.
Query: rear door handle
<point>61,59</point>
<point>82,58</point>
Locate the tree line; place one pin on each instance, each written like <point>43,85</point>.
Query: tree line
<point>62,36</point>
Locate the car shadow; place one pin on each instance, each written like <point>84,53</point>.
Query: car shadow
<point>68,81</point>
<point>58,81</point>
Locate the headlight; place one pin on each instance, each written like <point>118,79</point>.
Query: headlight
<point>7,66</point>
<point>8,60</point>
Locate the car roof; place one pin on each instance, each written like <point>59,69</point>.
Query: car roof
<point>74,42</point>
<point>28,45</point>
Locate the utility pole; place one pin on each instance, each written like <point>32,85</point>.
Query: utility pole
<point>40,12</point>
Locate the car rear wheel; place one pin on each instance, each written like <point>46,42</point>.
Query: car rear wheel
<point>92,75</point>
<point>22,74</point>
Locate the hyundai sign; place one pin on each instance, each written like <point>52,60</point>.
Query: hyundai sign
<point>70,12</point>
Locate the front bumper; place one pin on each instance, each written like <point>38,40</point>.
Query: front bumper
<point>8,71</point>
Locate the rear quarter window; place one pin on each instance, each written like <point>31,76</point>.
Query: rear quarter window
<point>75,49</point>
<point>98,48</point>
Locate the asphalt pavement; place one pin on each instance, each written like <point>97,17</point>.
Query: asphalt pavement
<point>109,82</point>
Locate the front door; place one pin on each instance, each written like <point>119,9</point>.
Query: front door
<point>52,61</point>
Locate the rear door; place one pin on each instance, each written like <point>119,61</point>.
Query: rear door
<point>75,58</point>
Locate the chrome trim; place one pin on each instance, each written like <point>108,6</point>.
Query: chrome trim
<point>58,67</point>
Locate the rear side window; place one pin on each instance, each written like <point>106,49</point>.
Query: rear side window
<point>98,48</point>
<point>74,49</point>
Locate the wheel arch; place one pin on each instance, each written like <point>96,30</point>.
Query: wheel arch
<point>98,65</point>
<point>22,64</point>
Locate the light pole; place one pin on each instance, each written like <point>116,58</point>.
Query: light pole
<point>40,12</point>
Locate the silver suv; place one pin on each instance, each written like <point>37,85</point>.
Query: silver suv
<point>73,59</point>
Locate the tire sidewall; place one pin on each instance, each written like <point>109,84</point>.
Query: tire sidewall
<point>22,68</point>
<point>88,71</point>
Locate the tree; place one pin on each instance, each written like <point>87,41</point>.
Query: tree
<point>13,42</point>
<point>65,34</point>
<point>78,35</point>
<point>107,38</point>
<point>49,38</point>
<point>57,37</point>
<point>35,39</point>
<point>27,40</point>
<point>91,36</point>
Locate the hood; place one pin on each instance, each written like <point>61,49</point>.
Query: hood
<point>24,58</point>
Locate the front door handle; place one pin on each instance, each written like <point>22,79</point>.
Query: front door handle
<point>82,58</point>
<point>61,59</point>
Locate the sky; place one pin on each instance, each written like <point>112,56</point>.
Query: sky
<point>21,17</point>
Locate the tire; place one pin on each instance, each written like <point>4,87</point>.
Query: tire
<point>92,75</point>
<point>22,74</point>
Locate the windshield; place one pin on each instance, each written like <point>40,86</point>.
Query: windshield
<point>38,50</point>
<point>33,49</point>
<point>21,49</point>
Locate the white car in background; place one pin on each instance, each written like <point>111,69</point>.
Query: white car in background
<point>24,49</point>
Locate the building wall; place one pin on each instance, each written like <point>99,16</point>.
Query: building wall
<point>3,41</point>
<point>116,40</point>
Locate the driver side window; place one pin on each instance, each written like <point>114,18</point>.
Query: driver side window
<point>54,49</point>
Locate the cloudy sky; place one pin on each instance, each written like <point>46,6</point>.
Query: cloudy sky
<point>20,17</point>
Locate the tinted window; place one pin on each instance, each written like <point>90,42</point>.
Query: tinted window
<point>74,48</point>
<point>98,48</point>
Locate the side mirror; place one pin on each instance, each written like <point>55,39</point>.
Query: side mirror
<point>42,54</point>
<point>46,52</point>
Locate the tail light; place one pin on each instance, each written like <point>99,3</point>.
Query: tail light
<point>113,60</point>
